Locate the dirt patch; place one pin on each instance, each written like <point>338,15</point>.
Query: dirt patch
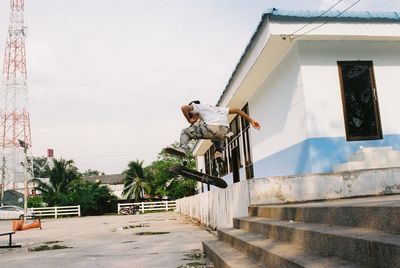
<point>127,242</point>
<point>52,242</point>
<point>136,226</point>
<point>46,247</point>
<point>152,233</point>
<point>156,219</point>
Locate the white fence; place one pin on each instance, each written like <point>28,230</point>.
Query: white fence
<point>218,207</point>
<point>57,211</point>
<point>150,206</point>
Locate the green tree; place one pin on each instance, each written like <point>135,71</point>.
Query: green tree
<point>136,181</point>
<point>35,201</point>
<point>167,184</point>
<point>94,199</point>
<point>41,168</point>
<point>62,177</point>
<point>90,172</point>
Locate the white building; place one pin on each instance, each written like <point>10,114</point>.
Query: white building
<point>114,182</point>
<point>325,90</point>
<point>322,87</point>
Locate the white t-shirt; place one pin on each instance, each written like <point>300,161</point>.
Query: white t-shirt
<point>211,115</point>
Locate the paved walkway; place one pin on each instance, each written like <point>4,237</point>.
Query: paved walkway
<point>109,241</point>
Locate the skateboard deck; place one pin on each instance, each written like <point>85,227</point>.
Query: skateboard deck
<point>198,176</point>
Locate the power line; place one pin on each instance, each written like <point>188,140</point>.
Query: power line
<point>316,18</point>
<point>292,36</point>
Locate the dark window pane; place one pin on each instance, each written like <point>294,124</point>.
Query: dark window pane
<point>360,104</point>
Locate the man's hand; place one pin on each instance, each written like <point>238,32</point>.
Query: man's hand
<point>255,124</point>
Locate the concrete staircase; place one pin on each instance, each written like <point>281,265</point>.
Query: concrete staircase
<point>370,158</point>
<point>362,232</point>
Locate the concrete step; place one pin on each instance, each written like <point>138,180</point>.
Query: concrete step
<point>381,214</point>
<point>367,247</point>
<point>274,253</point>
<point>222,255</point>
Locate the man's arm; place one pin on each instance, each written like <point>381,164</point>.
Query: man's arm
<point>253,122</point>
<point>186,109</point>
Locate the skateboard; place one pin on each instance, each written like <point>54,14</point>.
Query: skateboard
<point>193,174</point>
<point>198,176</point>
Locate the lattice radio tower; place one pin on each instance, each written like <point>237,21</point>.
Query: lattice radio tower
<point>15,124</point>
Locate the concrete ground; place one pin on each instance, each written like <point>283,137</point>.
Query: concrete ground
<point>109,241</point>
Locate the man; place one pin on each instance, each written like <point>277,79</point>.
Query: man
<point>214,125</point>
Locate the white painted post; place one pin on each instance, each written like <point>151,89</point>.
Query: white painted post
<point>166,205</point>
<point>118,208</point>
<point>142,207</point>
<point>79,210</point>
<point>55,212</point>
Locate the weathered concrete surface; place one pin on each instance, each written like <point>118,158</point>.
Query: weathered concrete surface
<point>278,190</point>
<point>379,212</point>
<point>103,242</point>
<point>332,233</point>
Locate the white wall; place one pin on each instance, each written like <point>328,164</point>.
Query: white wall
<point>116,189</point>
<point>322,86</point>
<point>279,107</point>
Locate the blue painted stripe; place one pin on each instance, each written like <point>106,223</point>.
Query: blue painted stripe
<point>315,155</point>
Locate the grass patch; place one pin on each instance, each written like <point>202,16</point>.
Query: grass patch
<point>192,265</point>
<point>193,256</point>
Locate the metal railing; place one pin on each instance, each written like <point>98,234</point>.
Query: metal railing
<point>57,211</point>
<point>150,206</point>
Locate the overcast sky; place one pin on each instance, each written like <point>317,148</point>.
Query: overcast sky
<point>107,78</point>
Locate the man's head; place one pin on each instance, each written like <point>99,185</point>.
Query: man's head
<point>195,102</point>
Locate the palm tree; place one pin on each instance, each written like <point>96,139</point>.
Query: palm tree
<point>63,175</point>
<point>136,181</point>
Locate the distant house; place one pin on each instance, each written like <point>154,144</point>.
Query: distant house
<point>14,198</point>
<point>325,89</point>
<point>114,182</point>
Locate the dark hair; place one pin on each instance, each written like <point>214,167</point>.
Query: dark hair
<point>195,102</point>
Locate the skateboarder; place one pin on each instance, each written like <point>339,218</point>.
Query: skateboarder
<point>213,125</point>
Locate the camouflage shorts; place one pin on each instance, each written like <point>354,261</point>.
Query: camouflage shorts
<point>214,133</point>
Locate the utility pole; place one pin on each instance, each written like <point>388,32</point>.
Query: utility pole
<point>14,115</point>
<point>3,180</point>
<point>26,178</point>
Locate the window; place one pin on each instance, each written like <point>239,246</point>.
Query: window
<point>360,100</point>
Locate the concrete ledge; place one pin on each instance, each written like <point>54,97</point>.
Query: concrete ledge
<point>286,189</point>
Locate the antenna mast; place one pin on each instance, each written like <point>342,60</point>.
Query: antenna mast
<point>14,115</point>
